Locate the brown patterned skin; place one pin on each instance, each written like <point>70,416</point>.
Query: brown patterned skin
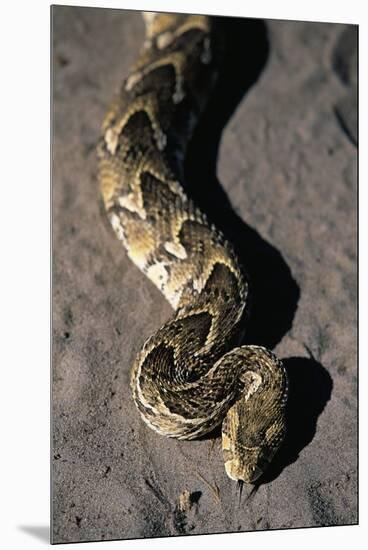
<point>186,381</point>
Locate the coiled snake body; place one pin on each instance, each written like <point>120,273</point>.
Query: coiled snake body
<point>188,378</point>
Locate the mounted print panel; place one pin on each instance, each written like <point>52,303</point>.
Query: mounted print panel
<point>204,202</point>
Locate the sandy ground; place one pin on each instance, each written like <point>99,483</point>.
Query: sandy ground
<point>274,163</point>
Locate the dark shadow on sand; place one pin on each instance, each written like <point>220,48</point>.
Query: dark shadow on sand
<point>274,292</point>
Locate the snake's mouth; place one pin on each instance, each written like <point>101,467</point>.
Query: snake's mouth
<point>249,473</point>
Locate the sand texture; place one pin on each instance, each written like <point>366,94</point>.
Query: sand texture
<point>274,164</point>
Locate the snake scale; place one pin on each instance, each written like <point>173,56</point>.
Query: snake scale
<point>188,377</point>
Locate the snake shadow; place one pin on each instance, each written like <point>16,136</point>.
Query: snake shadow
<point>275,293</point>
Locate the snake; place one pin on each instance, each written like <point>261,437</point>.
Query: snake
<point>192,375</point>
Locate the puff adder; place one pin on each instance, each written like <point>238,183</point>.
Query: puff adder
<point>188,377</point>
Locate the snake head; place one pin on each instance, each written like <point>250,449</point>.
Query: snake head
<point>250,439</point>
<point>246,464</point>
<point>254,427</point>
<point>247,458</point>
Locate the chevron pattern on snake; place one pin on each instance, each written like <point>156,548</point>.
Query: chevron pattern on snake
<point>189,377</point>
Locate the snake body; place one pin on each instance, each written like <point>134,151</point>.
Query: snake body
<point>188,378</point>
